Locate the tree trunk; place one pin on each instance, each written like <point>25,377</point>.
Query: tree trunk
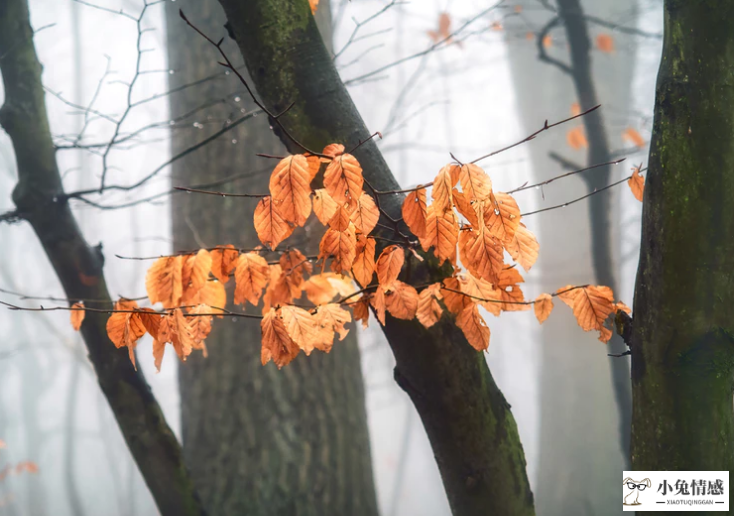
<point>683,330</point>
<point>260,441</point>
<point>580,386</point>
<point>39,199</point>
<point>469,424</point>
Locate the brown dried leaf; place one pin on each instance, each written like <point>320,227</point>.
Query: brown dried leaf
<point>543,307</point>
<point>415,212</point>
<point>224,260</point>
<point>277,345</point>
<point>163,281</point>
<point>324,206</point>
<point>429,310</point>
<point>365,214</point>
<point>364,262</point>
<point>290,189</point>
<point>475,182</point>
<point>474,328</point>
<point>637,184</point>
<point>341,245</point>
<point>523,247</point>
<point>77,315</point>
<point>251,276</point>
<point>271,227</point>
<point>389,264</point>
<point>401,300</point>
<point>343,178</point>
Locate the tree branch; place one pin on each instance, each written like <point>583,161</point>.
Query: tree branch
<point>79,267</point>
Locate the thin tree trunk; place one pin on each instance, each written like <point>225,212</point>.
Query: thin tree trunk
<point>38,198</point>
<point>294,441</point>
<point>468,421</point>
<point>683,329</point>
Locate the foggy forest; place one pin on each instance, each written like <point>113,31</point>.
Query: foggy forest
<point>366,257</point>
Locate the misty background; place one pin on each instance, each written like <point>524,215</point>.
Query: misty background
<point>470,99</point>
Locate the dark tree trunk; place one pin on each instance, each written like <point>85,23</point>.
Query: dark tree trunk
<point>39,199</point>
<point>260,441</point>
<point>683,328</point>
<point>469,424</point>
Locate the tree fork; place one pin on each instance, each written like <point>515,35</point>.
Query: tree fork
<point>79,266</point>
<point>683,332</point>
<point>469,423</point>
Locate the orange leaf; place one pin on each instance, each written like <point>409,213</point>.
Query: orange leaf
<point>151,321</point>
<point>576,138</point>
<point>324,206</point>
<point>605,43</point>
<point>331,318</point>
<point>575,109</point>
<point>277,292</point>
<point>175,329</point>
<point>442,188</point>
<point>591,307</point>
<point>77,315</point>
<point>301,326</point>
<point>415,212</point>
<point>631,135</point>
<point>464,206</point>
<point>277,345</point>
<point>401,300</point>
<point>453,298</point>
<point>481,253</point>
<point>482,292</point>
<point>389,264</point>
<point>365,214</point>
<point>429,310</point>
<point>124,328</point>
<point>224,260</point>
<point>213,295</point>
<point>314,5</point>
<point>568,294</point>
<point>475,182</point>
<point>364,262</point>
<point>340,221</point>
<point>343,178</point>
<point>547,41</point>
<point>294,264</point>
<point>333,150</point>
<point>378,303</point>
<point>272,228</point>
<point>290,189</point>
<point>502,216</point>
<point>195,273</point>
<point>319,289</point>
<point>523,247</point>
<point>442,230</point>
<point>251,276</point>
<point>474,328</point>
<point>543,307</point>
<point>512,297</point>
<point>163,281</point>
<point>201,326</point>
<point>637,184</point>
<point>620,306</point>
<point>362,310</point>
<point>314,165</point>
<point>341,245</point>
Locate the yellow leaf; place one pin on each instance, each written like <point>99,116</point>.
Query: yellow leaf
<point>324,206</point>
<point>637,184</point>
<point>251,276</point>
<point>401,300</point>
<point>224,260</point>
<point>163,281</point>
<point>365,214</point>
<point>389,264</point>
<point>290,189</point>
<point>364,262</point>
<point>415,212</point>
<point>77,315</point>
<point>343,178</point>
<point>543,307</point>
<point>270,225</point>
<point>474,328</point>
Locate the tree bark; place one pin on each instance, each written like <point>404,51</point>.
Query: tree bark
<point>469,424</point>
<point>683,328</point>
<point>38,199</point>
<point>294,441</point>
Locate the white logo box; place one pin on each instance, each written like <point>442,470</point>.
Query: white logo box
<point>685,491</point>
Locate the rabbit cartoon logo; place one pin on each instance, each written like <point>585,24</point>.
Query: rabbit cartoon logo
<point>634,488</point>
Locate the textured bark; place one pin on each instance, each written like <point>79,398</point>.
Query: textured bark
<point>79,266</point>
<point>683,331</point>
<point>469,424</point>
<point>579,385</point>
<point>261,441</point>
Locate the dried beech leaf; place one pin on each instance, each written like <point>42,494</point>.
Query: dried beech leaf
<point>224,260</point>
<point>523,247</point>
<point>464,206</point>
<point>475,329</point>
<point>481,292</point>
<point>442,232</point>
<point>271,227</point>
<point>362,311</point>
<point>341,246</point>
<point>365,214</point>
<point>576,138</point>
<point>364,262</point>
<point>324,206</point>
<point>543,307</point>
<point>429,310</point>
<point>290,189</point>
<point>77,315</point>
<point>389,264</point>
<point>502,216</point>
<point>163,281</point>
<point>319,289</point>
<point>251,276</point>
<point>343,178</point>
<point>301,326</point>
<point>401,300</point>
<point>637,184</point>
<point>442,189</point>
<point>277,344</point>
<point>415,212</point>
<point>475,182</point>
